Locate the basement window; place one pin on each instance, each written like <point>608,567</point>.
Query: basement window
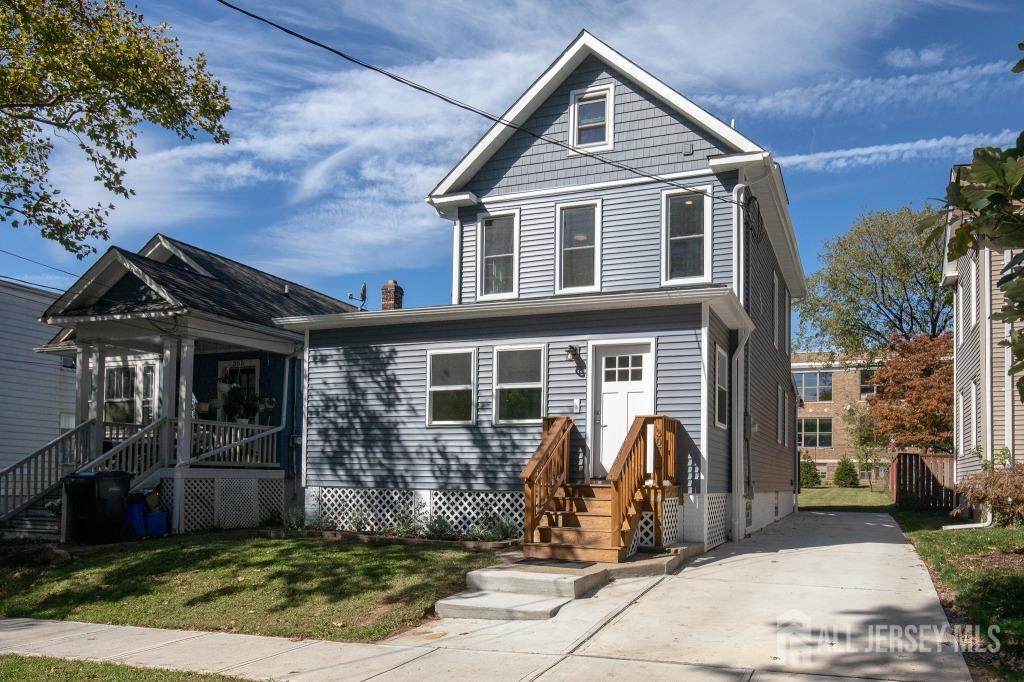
<point>450,391</point>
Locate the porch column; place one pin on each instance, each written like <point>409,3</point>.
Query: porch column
<point>98,385</point>
<point>168,389</point>
<point>186,353</point>
<point>82,384</point>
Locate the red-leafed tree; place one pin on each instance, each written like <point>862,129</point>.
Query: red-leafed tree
<point>913,407</point>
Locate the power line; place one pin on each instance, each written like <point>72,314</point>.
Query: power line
<point>45,265</point>
<point>470,108</point>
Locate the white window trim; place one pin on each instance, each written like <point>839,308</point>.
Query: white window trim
<point>543,348</point>
<point>472,386</point>
<point>778,417</point>
<point>958,433</point>
<point>974,292</point>
<point>598,214</point>
<point>775,309</point>
<point>721,360</point>
<point>959,313</point>
<point>974,415</point>
<point>708,211</point>
<point>785,418</point>
<point>480,218</point>
<point>609,119</point>
<point>787,310</point>
<point>138,365</point>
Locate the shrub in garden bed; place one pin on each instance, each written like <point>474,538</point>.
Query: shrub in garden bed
<point>1002,488</point>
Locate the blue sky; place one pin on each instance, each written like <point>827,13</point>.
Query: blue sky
<point>866,104</point>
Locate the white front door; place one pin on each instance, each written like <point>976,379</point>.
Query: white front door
<point>623,390</point>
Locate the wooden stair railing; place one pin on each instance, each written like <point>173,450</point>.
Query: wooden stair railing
<point>139,454</point>
<point>632,480</point>
<point>546,472</point>
<point>35,476</point>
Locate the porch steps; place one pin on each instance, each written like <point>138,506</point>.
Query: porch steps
<point>510,594</point>
<point>579,528</point>
<point>35,522</point>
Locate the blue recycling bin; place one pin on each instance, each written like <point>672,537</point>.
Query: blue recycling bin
<point>134,516</point>
<point>156,523</point>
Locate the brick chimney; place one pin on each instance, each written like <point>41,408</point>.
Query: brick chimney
<point>391,296</point>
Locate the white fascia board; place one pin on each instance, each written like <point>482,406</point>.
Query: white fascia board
<point>784,238</point>
<point>721,299</point>
<point>158,242</point>
<point>448,205</point>
<point>728,162</point>
<point>583,46</point>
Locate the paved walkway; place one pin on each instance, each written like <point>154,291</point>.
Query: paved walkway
<point>837,582</point>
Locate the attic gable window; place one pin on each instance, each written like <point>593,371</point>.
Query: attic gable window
<point>590,118</point>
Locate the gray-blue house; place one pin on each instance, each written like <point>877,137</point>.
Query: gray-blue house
<point>614,365</point>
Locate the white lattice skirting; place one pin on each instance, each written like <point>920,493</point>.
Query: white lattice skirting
<point>671,511</point>
<point>716,519</point>
<point>376,509</point>
<point>226,502</point>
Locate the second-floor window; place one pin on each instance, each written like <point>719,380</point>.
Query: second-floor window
<point>686,254</point>
<point>579,247</point>
<point>866,387</point>
<point>813,387</point>
<point>498,256</point>
<point>814,433</point>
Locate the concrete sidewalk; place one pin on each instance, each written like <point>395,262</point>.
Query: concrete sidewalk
<point>832,574</point>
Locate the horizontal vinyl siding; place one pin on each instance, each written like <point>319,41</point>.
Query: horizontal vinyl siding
<point>367,397</point>
<point>648,135</point>
<point>631,236</point>
<point>968,369</point>
<point>771,464</point>
<point>719,449</point>
<point>34,389</point>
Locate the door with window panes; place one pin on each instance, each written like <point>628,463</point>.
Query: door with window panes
<point>623,391</point>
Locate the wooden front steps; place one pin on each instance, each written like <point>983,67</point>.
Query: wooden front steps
<point>578,528</point>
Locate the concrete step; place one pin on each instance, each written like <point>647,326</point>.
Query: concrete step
<point>572,586</point>
<point>487,605</point>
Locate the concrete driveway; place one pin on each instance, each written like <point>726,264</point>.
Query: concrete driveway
<point>828,593</point>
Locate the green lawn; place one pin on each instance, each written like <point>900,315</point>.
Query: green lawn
<point>226,582</point>
<point>979,574</point>
<point>848,499</point>
<point>33,668</point>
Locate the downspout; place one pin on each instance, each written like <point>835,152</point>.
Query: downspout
<point>739,473</point>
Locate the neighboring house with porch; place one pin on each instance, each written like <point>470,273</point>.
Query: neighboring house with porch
<point>987,411</point>
<point>37,393</point>
<point>182,379</point>
<point>614,366</point>
<point>827,388</point>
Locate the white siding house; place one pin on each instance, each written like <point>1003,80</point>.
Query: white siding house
<point>37,392</point>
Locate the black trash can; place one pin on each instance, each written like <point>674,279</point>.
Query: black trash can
<point>96,506</point>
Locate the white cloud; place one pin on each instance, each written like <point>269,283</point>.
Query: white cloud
<point>856,95</point>
<point>955,149</point>
<point>909,58</point>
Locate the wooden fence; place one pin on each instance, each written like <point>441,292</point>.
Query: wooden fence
<point>922,481</point>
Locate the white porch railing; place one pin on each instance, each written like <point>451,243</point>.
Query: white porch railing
<point>138,454</point>
<point>115,432</point>
<point>24,482</point>
<point>234,445</point>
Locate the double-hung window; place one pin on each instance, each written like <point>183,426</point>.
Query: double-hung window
<point>498,242</point>
<point>578,257</point>
<point>775,308</point>
<point>686,237</point>
<point>721,388</point>
<point>866,387</point>
<point>780,418</point>
<point>974,415</point>
<point>450,387</point>
<point>148,386</point>
<point>119,395</point>
<point>813,387</point>
<point>518,385</point>
<point>974,291</point>
<point>590,118</point>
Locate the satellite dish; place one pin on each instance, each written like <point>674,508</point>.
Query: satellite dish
<point>362,297</point>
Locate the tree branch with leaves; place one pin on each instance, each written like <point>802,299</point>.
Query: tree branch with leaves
<point>89,74</point>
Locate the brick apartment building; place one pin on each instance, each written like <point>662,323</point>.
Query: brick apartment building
<point>826,388</point>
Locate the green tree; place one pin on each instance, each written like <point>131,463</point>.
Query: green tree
<point>985,205</point>
<point>869,446</point>
<point>878,281</point>
<point>89,73</point>
<point>809,476</point>
<point>846,474</point>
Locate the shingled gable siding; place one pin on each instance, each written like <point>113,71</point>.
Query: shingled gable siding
<point>968,369</point>
<point>648,135</point>
<point>367,397</point>
<point>631,226</point>
<point>772,465</point>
